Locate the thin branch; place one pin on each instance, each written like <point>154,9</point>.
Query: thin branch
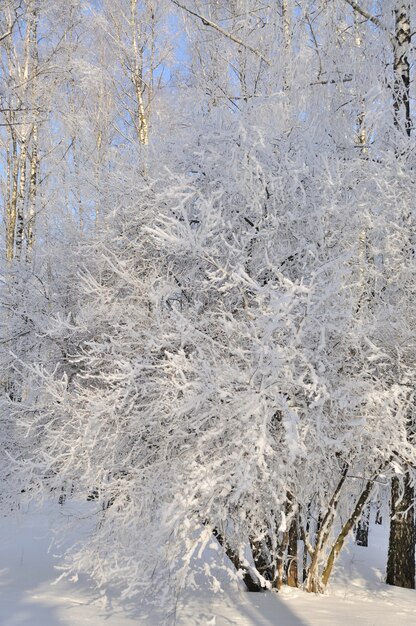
<point>316,46</point>
<point>7,33</point>
<point>344,104</point>
<point>208,22</point>
<point>26,332</point>
<point>373,18</point>
<point>12,25</point>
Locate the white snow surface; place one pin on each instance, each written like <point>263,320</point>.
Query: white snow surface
<point>30,595</point>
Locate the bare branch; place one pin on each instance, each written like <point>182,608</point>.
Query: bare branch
<point>373,18</point>
<point>316,46</point>
<point>12,25</point>
<point>6,34</point>
<point>208,22</point>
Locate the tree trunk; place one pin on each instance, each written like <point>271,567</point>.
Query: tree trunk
<point>401,64</point>
<point>261,551</point>
<point>361,533</point>
<point>21,199</point>
<point>313,581</point>
<point>304,534</point>
<point>11,211</point>
<point>280,562</point>
<point>143,127</point>
<point>337,546</point>
<point>401,555</point>
<point>250,579</point>
<point>34,166</point>
<point>286,43</point>
<point>292,554</point>
<point>34,158</point>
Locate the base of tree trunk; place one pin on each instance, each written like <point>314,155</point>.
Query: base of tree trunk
<point>401,555</point>
<point>292,555</point>
<point>361,532</point>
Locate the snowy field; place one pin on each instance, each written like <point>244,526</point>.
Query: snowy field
<point>29,597</point>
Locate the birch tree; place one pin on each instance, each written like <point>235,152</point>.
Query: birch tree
<point>135,30</point>
<point>401,559</point>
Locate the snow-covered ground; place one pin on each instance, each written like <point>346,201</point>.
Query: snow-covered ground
<point>29,597</point>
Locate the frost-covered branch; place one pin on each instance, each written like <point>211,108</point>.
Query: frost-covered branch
<point>207,22</point>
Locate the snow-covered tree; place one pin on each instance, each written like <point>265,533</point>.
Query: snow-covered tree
<point>225,358</point>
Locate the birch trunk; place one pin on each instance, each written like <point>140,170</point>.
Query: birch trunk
<point>34,158</point>
<point>401,554</point>
<point>362,143</point>
<point>11,211</point>
<point>286,42</point>
<point>401,64</point>
<point>349,524</point>
<point>21,198</point>
<point>143,127</point>
<point>313,581</point>
<point>34,166</point>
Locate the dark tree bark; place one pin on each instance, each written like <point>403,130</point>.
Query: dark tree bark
<point>401,555</point>
<point>292,554</point>
<point>401,88</point>
<point>261,551</point>
<point>250,579</point>
<point>361,532</point>
<point>304,535</point>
